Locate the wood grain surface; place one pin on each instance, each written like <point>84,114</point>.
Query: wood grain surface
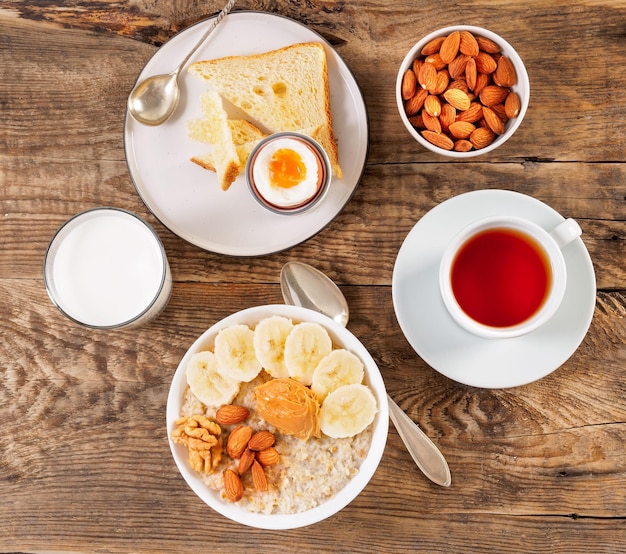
<point>84,458</point>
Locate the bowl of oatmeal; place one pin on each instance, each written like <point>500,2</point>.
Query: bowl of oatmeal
<point>277,417</point>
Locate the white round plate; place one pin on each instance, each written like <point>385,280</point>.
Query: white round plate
<point>187,198</point>
<point>454,352</point>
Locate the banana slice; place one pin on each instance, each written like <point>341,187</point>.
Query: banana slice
<point>347,411</point>
<point>234,350</point>
<point>207,382</point>
<point>305,346</point>
<point>338,368</point>
<point>270,335</point>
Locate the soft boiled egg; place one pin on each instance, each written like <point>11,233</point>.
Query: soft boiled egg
<point>287,172</point>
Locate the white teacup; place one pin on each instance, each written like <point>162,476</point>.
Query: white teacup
<point>106,268</point>
<point>504,276</point>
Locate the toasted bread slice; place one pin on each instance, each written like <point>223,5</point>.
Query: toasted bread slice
<point>245,137</point>
<point>281,90</point>
<point>216,130</point>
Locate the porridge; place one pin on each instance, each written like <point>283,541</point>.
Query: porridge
<point>304,466</point>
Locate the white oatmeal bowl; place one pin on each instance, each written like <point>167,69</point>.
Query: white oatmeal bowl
<point>315,476</point>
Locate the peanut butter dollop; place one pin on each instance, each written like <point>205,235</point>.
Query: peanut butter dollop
<point>289,406</point>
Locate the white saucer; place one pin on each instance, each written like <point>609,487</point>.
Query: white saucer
<point>454,352</point>
<point>186,198</point>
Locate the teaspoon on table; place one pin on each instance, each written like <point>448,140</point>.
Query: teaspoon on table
<point>303,285</point>
<point>154,99</point>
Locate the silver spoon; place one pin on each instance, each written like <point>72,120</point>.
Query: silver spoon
<point>303,285</point>
<point>153,100</point>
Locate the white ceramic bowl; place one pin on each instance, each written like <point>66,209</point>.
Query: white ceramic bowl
<point>341,337</point>
<point>522,88</point>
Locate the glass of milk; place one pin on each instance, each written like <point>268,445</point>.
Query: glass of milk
<point>106,268</point>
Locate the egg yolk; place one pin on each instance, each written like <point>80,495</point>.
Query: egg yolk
<point>287,169</point>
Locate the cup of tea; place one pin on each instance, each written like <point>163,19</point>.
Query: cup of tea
<point>504,276</point>
<point>106,268</point>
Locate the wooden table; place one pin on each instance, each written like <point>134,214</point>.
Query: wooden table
<point>84,459</point>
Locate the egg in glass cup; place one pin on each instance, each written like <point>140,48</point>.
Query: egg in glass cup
<point>288,173</point>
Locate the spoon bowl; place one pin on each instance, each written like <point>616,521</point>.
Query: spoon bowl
<point>154,100</point>
<point>305,286</point>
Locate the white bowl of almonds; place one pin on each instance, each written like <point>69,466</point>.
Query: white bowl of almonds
<point>462,91</point>
<point>277,417</point>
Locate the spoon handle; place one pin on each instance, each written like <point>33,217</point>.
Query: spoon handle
<point>423,451</point>
<point>229,6</point>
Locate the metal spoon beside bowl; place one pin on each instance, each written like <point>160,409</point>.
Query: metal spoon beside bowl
<point>303,285</point>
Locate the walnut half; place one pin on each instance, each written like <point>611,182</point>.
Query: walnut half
<point>203,440</point>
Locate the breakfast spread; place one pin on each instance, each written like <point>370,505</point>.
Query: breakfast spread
<point>458,93</point>
<point>282,90</point>
<point>276,417</point>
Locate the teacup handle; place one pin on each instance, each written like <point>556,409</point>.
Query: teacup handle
<point>566,232</point>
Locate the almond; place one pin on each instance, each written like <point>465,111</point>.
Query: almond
<point>462,129</point>
<point>482,80</point>
<point>417,63</point>
<point>457,66</point>
<point>432,105</point>
<point>261,440</point>
<point>500,111</point>
<point>233,487</point>
<point>493,94</point>
<point>450,47</point>
<point>481,137</point>
<point>438,139</point>
<point>427,76</point>
<point>258,477</point>
<point>472,114</point>
<point>462,145</point>
<point>409,84</point>
<point>447,117</point>
<point>443,79</point>
<point>436,60</point>
<point>231,414</point>
<point>487,45</point>
<point>457,98</point>
<point>245,461</point>
<point>417,121</point>
<point>431,123</point>
<point>512,105</point>
<point>415,104</point>
<point>460,84</point>
<point>505,74</point>
<point>268,457</point>
<point>485,63</point>
<point>471,74</point>
<point>238,441</point>
<point>493,121</point>
<point>468,44</point>
<point>432,46</point>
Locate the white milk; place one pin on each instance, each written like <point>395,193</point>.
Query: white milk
<point>106,267</point>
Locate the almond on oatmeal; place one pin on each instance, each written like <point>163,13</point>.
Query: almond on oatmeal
<point>261,440</point>
<point>233,487</point>
<point>238,441</point>
<point>268,457</point>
